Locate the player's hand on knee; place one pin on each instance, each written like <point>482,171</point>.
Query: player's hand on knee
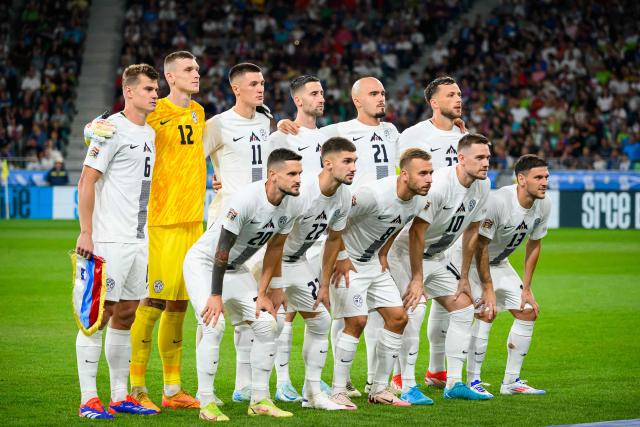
<point>528,298</point>
<point>288,127</point>
<point>488,300</point>
<point>323,298</point>
<point>217,185</point>
<point>84,245</point>
<point>464,287</point>
<point>412,296</point>
<point>263,303</point>
<point>212,310</point>
<point>342,270</point>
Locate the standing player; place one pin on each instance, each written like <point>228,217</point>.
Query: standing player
<point>308,96</point>
<point>513,213</point>
<point>175,223</point>
<point>236,141</point>
<point>113,192</point>
<point>439,136</point>
<point>454,206</point>
<point>254,215</point>
<point>379,211</point>
<point>327,204</point>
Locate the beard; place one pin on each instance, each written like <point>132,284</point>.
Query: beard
<point>380,114</point>
<point>314,112</point>
<point>450,114</point>
<point>291,192</point>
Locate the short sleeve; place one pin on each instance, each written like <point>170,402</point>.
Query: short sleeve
<point>363,202</point>
<point>330,131</point>
<point>212,137</point>
<point>339,221</point>
<point>491,218</point>
<point>540,229</point>
<point>238,212</point>
<point>99,155</point>
<point>483,201</point>
<point>433,204</point>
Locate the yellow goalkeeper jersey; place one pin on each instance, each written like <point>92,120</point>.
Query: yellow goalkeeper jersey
<point>180,173</point>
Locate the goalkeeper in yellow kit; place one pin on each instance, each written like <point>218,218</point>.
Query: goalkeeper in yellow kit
<point>176,211</point>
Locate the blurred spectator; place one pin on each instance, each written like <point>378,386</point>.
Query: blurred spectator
<point>58,174</point>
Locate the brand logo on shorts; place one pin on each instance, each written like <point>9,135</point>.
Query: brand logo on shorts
<point>158,286</point>
<point>283,221</point>
<point>357,300</point>
<point>110,284</point>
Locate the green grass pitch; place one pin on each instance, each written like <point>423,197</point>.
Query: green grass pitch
<point>585,350</point>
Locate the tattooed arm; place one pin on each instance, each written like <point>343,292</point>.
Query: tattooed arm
<point>214,306</point>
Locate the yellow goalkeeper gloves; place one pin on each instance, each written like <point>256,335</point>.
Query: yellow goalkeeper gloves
<point>99,130</point>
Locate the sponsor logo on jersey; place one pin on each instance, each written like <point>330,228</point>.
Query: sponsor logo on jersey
<point>283,221</point>
<point>164,122</point>
<point>253,137</point>
<point>522,226</point>
<point>357,300</point>
<point>318,148</point>
<point>269,224</point>
<point>397,220</point>
<point>194,116</point>
<point>376,137</point>
<point>147,149</point>
<point>461,208</point>
<point>110,284</point>
<point>158,286</point>
<point>452,150</point>
<point>322,216</point>
<point>487,223</point>
<point>232,214</point>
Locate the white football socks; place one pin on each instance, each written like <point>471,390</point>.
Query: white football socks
<point>243,340</point>
<point>283,353</point>
<point>437,326</point>
<point>386,352</point>
<point>477,349</point>
<point>457,343</point>
<point>410,346</point>
<point>263,355</point>
<point>117,349</point>
<point>345,352</point>
<point>207,356</point>
<point>314,351</point>
<point>375,323</point>
<point>518,344</point>
<point>88,350</point>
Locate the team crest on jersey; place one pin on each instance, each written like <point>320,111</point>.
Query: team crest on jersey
<point>254,137</point>
<point>357,300</point>
<point>194,116</point>
<point>461,209</point>
<point>410,217</point>
<point>110,284</point>
<point>537,221</point>
<point>353,200</point>
<point>283,221</point>
<point>263,134</point>
<point>452,150</point>
<point>472,204</point>
<point>387,133</point>
<point>522,226</point>
<point>269,224</point>
<point>232,214</point>
<point>376,137</point>
<point>487,223</point>
<point>158,286</point>
<point>94,152</point>
<point>322,216</point>
<point>427,206</point>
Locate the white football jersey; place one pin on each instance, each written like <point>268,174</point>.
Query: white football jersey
<point>320,213</point>
<point>442,145</point>
<point>376,214</point>
<point>122,193</point>
<point>507,223</point>
<point>250,216</point>
<point>306,143</point>
<point>238,149</point>
<point>449,208</point>
<point>375,147</point>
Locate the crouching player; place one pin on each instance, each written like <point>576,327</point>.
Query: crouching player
<point>260,211</point>
<point>113,194</point>
<point>513,214</point>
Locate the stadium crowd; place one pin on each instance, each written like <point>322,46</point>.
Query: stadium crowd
<point>40,60</point>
